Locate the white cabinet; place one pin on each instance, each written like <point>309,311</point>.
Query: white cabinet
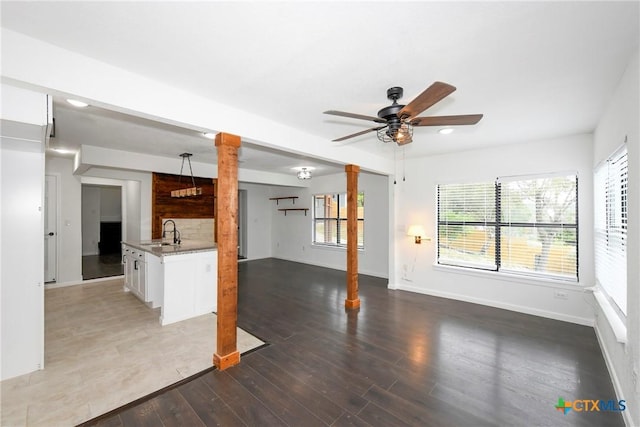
<point>189,286</point>
<point>182,280</point>
<point>135,272</point>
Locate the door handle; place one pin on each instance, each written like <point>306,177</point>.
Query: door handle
<point>135,264</point>
<point>51,233</point>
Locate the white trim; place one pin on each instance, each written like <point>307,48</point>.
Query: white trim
<point>58,177</point>
<point>617,387</point>
<point>332,247</point>
<point>81,282</point>
<point>511,178</point>
<point>617,325</point>
<point>548,282</point>
<point>497,304</point>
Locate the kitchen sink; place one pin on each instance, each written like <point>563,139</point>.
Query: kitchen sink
<point>157,244</point>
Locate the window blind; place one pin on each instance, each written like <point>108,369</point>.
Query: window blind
<point>610,223</point>
<point>523,225</point>
<point>538,227</point>
<point>467,225</point>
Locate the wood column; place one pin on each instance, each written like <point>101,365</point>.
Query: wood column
<point>227,354</point>
<point>352,300</point>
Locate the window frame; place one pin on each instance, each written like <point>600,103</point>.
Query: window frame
<point>338,219</point>
<point>613,214</point>
<point>498,225</point>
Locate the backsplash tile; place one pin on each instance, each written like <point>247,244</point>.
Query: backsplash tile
<point>192,228</point>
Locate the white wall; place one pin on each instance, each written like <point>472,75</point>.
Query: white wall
<point>131,203</point>
<point>620,121</point>
<point>90,207</point>
<point>110,204</point>
<point>416,204</point>
<point>23,127</point>
<point>292,234</point>
<point>22,276</point>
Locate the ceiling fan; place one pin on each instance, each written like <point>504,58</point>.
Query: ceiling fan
<point>397,121</point>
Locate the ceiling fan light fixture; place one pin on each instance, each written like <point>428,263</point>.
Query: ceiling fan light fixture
<point>304,173</point>
<point>445,131</point>
<point>402,134</point>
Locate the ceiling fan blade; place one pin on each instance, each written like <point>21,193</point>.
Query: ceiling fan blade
<point>431,95</point>
<point>468,119</point>
<point>355,116</point>
<point>353,135</point>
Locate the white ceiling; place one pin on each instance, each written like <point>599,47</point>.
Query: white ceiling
<point>536,70</point>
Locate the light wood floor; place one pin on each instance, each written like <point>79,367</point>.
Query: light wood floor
<point>105,348</point>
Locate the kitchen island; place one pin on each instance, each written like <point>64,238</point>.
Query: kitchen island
<point>181,279</point>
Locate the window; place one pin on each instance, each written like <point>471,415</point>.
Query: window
<point>521,225</point>
<point>330,219</point>
<point>610,222</point>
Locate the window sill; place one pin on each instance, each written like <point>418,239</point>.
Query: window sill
<point>498,275</point>
<point>332,247</point>
<point>617,325</point>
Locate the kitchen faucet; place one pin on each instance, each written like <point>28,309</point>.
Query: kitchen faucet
<point>176,233</point>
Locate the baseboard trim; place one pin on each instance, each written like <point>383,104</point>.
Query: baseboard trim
<point>81,282</point>
<point>498,304</point>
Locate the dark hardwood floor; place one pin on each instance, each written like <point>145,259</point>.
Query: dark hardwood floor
<point>402,359</point>
<point>98,266</point>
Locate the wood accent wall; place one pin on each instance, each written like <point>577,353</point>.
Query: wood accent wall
<point>165,206</point>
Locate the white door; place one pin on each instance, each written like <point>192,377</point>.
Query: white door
<point>50,227</point>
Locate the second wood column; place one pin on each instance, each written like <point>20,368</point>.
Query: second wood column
<point>352,300</point>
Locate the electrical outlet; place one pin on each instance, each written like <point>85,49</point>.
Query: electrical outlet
<point>561,294</point>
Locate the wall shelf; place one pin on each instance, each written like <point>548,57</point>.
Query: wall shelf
<point>277,199</point>
<point>294,209</point>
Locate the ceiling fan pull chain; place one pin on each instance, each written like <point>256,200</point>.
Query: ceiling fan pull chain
<point>403,166</point>
<point>395,165</point>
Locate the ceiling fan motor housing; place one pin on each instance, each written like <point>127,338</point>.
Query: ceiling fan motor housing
<point>390,113</point>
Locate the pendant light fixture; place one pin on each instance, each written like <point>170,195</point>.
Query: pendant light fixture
<point>191,191</point>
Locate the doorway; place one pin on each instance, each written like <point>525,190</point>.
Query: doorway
<point>101,231</point>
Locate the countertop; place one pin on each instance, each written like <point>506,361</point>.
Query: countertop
<point>154,247</point>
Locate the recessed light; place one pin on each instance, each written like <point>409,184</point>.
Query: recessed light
<point>445,131</point>
<point>77,103</point>
<point>62,151</point>
<point>209,135</point>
